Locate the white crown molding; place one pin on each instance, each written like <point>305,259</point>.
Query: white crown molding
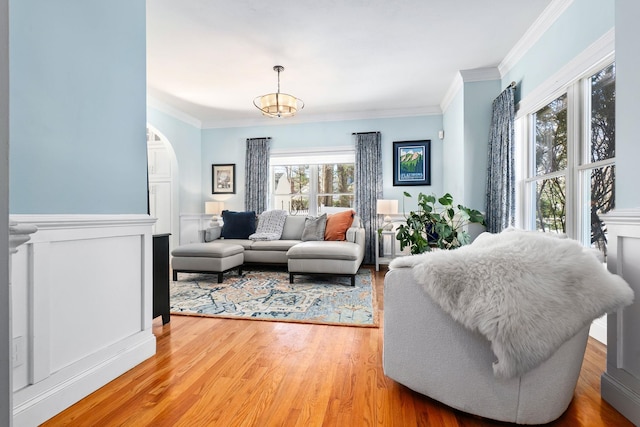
<point>259,120</point>
<point>454,88</point>
<point>174,112</point>
<point>468,76</point>
<point>480,74</point>
<point>552,12</point>
<point>597,55</point>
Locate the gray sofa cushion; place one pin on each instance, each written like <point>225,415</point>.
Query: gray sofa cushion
<point>314,228</point>
<point>273,245</point>
<point>245,243</point>
<point>293,227</point>
<point>324,250</point>
<point>207,250</point>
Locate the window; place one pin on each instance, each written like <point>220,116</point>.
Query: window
<point>312,182</point>
<point>569,173</point>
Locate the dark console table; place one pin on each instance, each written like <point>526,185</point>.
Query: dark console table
<point>161,277</point>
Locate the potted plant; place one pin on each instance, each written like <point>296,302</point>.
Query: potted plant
<point>436,225</point>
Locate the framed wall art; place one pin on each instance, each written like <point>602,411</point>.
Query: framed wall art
<point>223,179</point>
<point>412,162</point>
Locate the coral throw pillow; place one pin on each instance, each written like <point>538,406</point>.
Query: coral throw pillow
<point>337,225</point>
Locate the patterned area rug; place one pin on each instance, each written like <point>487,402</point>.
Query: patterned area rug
<point>267,295</point>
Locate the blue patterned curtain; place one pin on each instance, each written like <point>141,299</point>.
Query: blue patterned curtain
<point>368,180</point>
<point>256,175</point>
<point>501,203</point>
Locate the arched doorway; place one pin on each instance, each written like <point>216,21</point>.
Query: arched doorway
<point>163,184</point>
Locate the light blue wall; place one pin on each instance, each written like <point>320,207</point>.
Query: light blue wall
<point>453,147</point>
<point>584,22</point>
<point>185,139</point>
<point>78,107</point>
<point>228,146</point>
<point>580,25</point>
<point>466,123</point>
<point>627,105</point>
<point>478,100</point>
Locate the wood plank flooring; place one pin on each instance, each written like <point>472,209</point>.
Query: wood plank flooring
<point>220,372</point>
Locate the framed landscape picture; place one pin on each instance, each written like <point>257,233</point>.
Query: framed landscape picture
<point>412,162</point>
<point>223,179</point>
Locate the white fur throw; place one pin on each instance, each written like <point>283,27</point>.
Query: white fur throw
<point>526,292</point>
<point>270,225</point>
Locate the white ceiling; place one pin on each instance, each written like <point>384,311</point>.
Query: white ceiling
<point>209,59</point>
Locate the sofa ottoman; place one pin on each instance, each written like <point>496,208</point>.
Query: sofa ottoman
<point>325,257</point>
<point>207,258</point>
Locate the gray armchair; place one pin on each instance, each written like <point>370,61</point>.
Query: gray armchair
<point>426,350</point>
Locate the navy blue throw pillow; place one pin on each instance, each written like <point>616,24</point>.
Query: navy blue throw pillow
<point>238,225</point>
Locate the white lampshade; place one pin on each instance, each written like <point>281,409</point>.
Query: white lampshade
<point>213,208</point>
<point>387,207</point>
<point>278,104</point>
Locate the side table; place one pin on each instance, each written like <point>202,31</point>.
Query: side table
<point>381,258</point>
<point>161,277</point>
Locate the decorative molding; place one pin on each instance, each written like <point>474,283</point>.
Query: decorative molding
<point>546,19</point>
<point>82,304</point>
<point>83,382</point>
<point>64,221</point>
<point>450,94</point>
<point>595,56</point>
<point>623,217</point>
<point>173,112</point>
<point>480,75</point>
<point>193,226</point>
<point>328,117</point>
<point>620,384</point>
<point>467,76</point>
<point>19,234</point>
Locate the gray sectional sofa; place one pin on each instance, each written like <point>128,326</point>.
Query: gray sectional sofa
<point>341,258</point>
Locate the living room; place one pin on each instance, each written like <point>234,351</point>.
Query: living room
<point>75,121</point>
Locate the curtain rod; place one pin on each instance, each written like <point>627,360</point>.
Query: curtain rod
<point>513,85</point>
<point>363,133</point>
<point>262,137</point>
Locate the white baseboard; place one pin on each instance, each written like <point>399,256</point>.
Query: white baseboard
<point>627,401</point>
<point>61,395</point>
<point>598,329</point>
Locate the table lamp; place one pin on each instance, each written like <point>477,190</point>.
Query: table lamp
<point>387,207</point>
<point>214,208</point>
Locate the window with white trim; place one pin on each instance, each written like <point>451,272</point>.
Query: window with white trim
<point>569,161</point>
<point>312,182</point>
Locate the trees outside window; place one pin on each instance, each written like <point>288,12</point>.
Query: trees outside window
<point>570,168</point>
<point>312,188</point>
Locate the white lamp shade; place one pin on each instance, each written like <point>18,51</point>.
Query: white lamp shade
<point>387,207</point>
<point>213,208</point>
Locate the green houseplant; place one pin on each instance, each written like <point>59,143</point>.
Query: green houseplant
<point>438,225</point>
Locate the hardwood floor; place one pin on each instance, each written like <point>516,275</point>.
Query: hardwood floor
<point>219,372</point>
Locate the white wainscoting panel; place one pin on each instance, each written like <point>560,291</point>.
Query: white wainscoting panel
<point>620,384</point>
<point>192,227</point>
<point>82,307</point>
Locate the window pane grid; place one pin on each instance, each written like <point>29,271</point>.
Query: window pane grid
<point>564,192</point>
<point>312,188</point>
<point>550,131</point>
<point>602,115</point>
<point>550,205</point>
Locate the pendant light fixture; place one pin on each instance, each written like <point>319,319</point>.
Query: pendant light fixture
<point>278,104</point>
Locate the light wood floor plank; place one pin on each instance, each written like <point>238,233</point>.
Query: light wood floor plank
<point>222,372</point>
